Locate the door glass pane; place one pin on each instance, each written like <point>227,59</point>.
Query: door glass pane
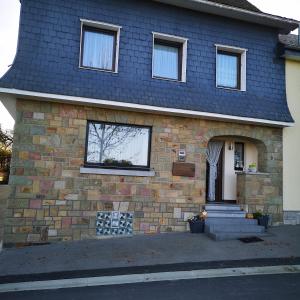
<point>118,145</point>
<point>239,156</point>
<point>166,61</point>
<point>98,51</point>
<point>227,70</point>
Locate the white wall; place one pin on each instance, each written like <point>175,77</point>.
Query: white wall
<point>291,141</point>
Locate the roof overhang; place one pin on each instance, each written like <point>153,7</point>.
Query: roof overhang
<point>31,95</point>
<point>283,24</point>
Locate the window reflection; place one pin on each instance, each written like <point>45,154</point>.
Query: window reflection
<point>117,145</point>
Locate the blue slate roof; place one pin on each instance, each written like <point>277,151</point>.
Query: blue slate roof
<point>48,54</point>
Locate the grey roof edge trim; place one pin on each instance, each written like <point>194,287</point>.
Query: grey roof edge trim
<point>285,24</point>
<point>292,55</point>
<point>32,95</point>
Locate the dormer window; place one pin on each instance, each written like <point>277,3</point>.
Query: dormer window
<point>99,46</point>
<point>231,67</point>
<point>169,57</point>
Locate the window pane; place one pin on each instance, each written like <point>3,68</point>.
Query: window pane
<point>165,61</point>
<point>117,145</point>
<point>227,70</point>
<point>239,156</point>
<point>98,50</point>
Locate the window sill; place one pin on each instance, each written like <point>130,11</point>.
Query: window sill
<point>117,172</point>
<point>168,79</point>
<point>230,89</point>
<point>98,70</point>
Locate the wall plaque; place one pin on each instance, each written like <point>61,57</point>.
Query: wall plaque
<point>183,169</point>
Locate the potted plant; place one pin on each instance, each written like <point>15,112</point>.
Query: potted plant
<point>262,219</point>
<point>252,168</point>
<point>197,223</point>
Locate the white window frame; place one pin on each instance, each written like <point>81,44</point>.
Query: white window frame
<point>172,38</point>
<point>243,71</point>
<point>105,26</point>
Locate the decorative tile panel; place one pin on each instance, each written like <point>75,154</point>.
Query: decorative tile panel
<point>114,223</point>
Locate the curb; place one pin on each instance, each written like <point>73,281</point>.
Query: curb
<point>189,266</point>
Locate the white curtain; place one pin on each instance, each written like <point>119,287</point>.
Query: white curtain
<point>212,155</point>
<point>165,61</point>
<point>227,70</point>
<point>98,50</point>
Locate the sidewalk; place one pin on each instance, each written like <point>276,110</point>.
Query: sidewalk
<point>283,242</point>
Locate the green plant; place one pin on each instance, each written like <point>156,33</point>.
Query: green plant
<point>252,165</point>
<point>118,163</point>
<point>257,215</point>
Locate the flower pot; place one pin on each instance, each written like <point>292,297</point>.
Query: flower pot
<point>252,170</point>
<point>263,221</point>
<point>196,226</point>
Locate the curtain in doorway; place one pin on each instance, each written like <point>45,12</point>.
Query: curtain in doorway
<point>212,155</point>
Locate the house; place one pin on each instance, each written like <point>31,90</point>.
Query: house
<point>131,115</point>
<point>291,135</point>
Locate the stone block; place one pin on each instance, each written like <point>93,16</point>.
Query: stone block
<point>60,203</point>
<point>71,197</point>
<point>188,215</point>
<point>59,185</point>
<point>52,232</point>
<point>32,237</point>
<point>35,204</point>
<point>38,116</point>
<point>177,213</point>
<point>29,213</point>
<point>37,130</point>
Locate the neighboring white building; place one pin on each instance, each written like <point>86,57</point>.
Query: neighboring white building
<point>291,135</point>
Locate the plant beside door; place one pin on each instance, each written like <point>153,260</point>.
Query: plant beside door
<point>262,219</point>
<point>197,223</point>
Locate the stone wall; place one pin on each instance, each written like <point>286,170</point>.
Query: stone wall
<point>258,192</point>
<point>4,194</point>
<point>51,200</point>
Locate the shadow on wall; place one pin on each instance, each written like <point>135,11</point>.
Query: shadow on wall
<point>4,194</point>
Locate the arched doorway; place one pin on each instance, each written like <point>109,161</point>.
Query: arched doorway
<point>239,154</point>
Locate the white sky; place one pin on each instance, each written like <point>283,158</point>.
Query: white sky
<point>9,22</point>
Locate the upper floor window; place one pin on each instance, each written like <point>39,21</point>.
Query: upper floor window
<point>118,145</point>
<point>231,67</point>
<point>169,57</point>
<point>99,46</point>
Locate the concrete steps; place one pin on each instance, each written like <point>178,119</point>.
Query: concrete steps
<point>228,221</point>
<point>233,221</point>
<point>245,228</point>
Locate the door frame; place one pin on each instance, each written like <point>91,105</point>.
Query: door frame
<point>219,181</point>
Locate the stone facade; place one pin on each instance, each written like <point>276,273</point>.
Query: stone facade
<point>4,194</point>
<point>51,200</point>
<point>259,192</point>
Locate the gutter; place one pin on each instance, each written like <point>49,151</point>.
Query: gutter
<point>284,24</point>
<point>30,95</point>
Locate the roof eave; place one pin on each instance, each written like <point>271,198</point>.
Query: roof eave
<point>283,24</point>
<point>292,54</point>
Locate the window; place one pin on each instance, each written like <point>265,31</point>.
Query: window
<point>169,57</point>
<point>231,68</point>
<point>228,72</point>
<point>239,156</point>
<point>118,145</point>
<point>99,46</point>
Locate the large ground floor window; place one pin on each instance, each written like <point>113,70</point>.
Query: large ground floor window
<point>117,145</point>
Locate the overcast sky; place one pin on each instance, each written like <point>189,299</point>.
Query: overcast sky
<point>9,22</point>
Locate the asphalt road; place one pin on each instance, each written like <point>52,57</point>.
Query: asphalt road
<point>273,287</point>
